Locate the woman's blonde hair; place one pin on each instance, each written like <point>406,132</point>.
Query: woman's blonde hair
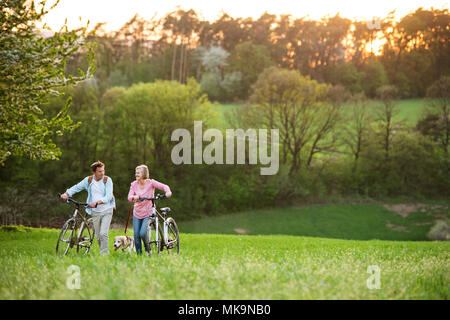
<point>144,170</point>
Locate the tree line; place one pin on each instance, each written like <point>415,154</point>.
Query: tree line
<point>227,55</point>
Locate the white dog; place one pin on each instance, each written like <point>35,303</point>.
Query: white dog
<point>124,243</point>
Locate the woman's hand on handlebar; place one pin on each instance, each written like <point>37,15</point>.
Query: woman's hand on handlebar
<point>65,196</point>
<point>168,194</point>
<point>157,197</point>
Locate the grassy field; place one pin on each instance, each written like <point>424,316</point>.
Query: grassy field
<point>409,110</point>
<point>345,221</point>
<point>236,266</point>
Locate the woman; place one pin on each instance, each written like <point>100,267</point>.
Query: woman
<point>143,187</point>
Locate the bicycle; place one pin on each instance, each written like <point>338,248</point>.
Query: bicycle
<point>77,230</point>
<point>170,235</point>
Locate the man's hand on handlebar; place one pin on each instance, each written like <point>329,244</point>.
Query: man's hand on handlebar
<point>68,199</point>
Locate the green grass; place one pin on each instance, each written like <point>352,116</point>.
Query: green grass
<point>345,221</point>
<point>221,109</point>
<point>225,266</point>
<point>409,110</point>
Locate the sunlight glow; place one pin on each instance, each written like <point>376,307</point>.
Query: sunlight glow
<point>376,47</point>
<point>117,12</point>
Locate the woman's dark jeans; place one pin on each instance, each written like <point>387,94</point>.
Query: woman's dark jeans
<point>140,233</point>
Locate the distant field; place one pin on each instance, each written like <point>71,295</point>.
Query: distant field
<point>228,267</point>
<point>343,221</point>
<point>221,109</point>
<point>409,110</point>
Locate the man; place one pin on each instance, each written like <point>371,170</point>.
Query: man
<point>100,199</point>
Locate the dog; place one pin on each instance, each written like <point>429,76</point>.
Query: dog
<point>125,243</point>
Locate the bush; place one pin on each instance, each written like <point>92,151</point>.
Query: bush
<point>231,84</point>
<point>32,208</point>
<point>18,228</point>
<point>440,231</point>
<point>210,84</point>
<point>374,76</point>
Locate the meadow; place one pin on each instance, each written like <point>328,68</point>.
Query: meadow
<point>351,221</point>
<point>242,266</point>
<point>308,252</point>
<point>408,110</point>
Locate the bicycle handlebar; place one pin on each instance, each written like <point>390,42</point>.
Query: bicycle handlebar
<point>69,199</point>
<point>158,197</point>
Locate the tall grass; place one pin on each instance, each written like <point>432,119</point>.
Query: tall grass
<point>227,267</point>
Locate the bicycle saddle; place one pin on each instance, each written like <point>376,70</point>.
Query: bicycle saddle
<point>165,209</point>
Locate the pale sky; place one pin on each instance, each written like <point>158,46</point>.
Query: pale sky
<point>117,12</point>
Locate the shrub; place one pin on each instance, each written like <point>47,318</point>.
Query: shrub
<point>18,228</point>
<point>440,231</point>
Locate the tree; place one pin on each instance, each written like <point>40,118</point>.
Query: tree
<point>32,67</point>
<point>347,75</point>
<point>374,77</point>
<point>436,122</point>
<point>299,108</point>
<point>357,127</point>
<point>181,27</point>
<point>416,52</point>
<point>210,84</point>
<point>231,84</point>
<point>226,32</point>
<point>250,60</point>
<point>214,60</point>
<point>416,166</point>
<point>150,112</point>
<point>385,115</point>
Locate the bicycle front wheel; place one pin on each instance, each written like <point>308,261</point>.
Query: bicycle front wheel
<point>153,240</point>
<point>65,238</point>
<point>173,236</point>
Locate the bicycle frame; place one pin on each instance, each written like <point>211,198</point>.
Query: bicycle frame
<point>156,218</point>
<point>78,223</point>
<point>81,215</point>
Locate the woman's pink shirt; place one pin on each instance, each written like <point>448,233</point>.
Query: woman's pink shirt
<point>143,209</point>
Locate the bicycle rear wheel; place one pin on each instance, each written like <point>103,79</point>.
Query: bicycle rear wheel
<point>173,236</point>
<point>66,238</point>
<point>85,236</point>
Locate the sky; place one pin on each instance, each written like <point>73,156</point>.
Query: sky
<point>117,12</point>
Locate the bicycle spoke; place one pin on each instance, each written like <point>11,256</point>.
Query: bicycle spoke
<point>65,236</point>
<point>173,240</point>
<point>85,238</point>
